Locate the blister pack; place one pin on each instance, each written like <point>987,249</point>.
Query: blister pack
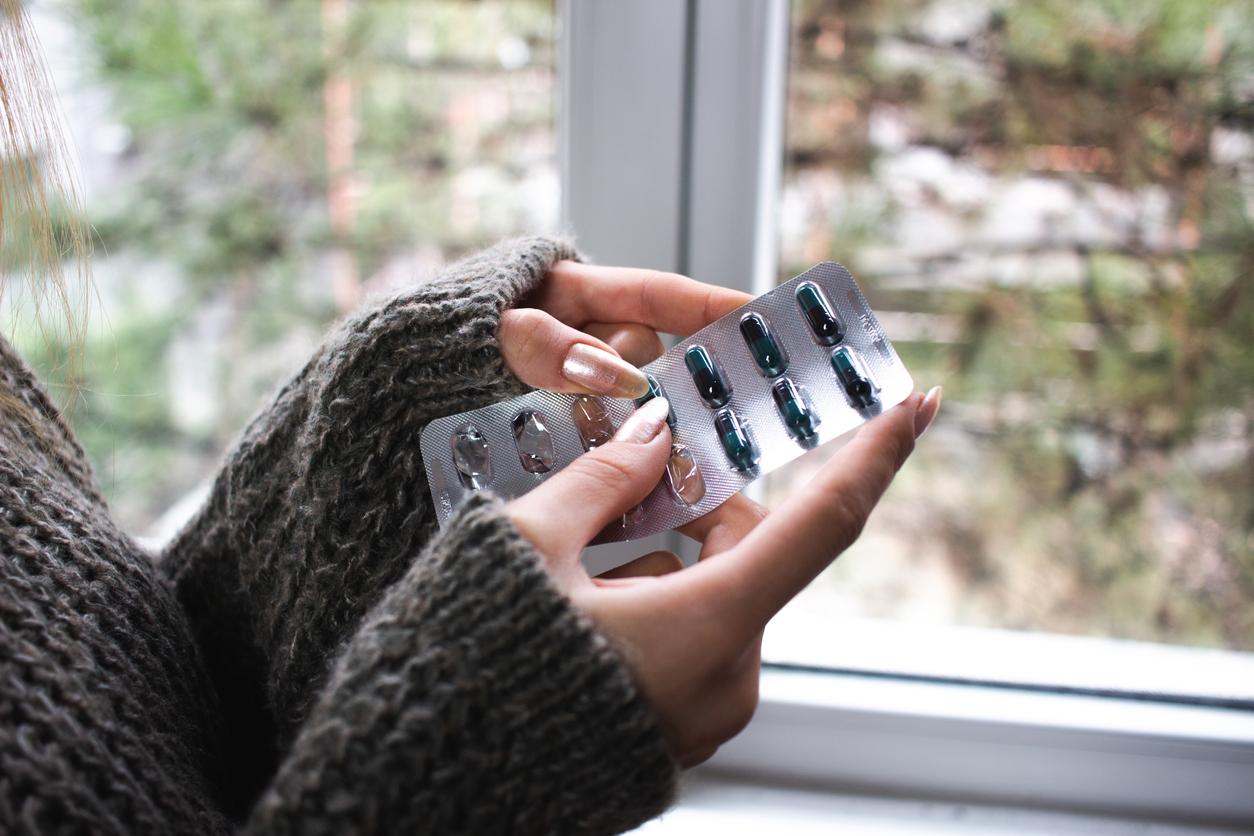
<point>794,368</point>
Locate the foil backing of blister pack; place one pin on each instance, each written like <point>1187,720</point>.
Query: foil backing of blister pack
<point>809,366</point>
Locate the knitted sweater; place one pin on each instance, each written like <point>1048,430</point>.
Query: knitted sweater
<point>310,655</point>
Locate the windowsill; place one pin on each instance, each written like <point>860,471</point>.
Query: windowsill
<point>995,745</point>
<point>808,638</point>
<point>712,803</point>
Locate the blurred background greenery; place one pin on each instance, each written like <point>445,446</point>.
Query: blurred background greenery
<point>253,170</point>
<point>1049,203</point>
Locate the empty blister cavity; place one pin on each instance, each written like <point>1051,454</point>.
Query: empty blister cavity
<point>533,442</point>
<point>732,434</point>
<point>656,391</point>
<point>621,525</point>
<point>767,353</point>
<point>820,315</point>
<point>632,518</point>
<point>707,376</point>
<point>683,476</point>
<point>592,421</point>
<point>793,409</point>
<point>854,378</point>
<point>471,456</point>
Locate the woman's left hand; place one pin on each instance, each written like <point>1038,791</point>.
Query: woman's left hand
<point>587,327</point>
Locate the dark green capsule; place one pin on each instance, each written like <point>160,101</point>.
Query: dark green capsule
<point>792,408</point>
<point>826,328</point>
<point>767,352</point>
<point>656,391</point>
<point>739,448</point>
<point>708,376</point>
<point>856,382</point>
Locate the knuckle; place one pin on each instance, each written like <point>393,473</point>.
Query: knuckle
<point>902,446</point>
<point>755,512</point>
<point>747,518</point>
<point>708,305</point>
<point>648,297</point>
<point>654,285</point>
<point>849,514</point>
<point>522,328</point>
<point>552,336</point>
<point>645,340</point>
<point>525,320</point>
<point>608,468</point>
<point>638,344</point>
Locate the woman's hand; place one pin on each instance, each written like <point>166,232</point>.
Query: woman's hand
<point>576,329</point>
<point>692,638</point>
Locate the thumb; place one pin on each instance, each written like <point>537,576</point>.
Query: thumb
<point>549,354</point>
<point>564,513</point>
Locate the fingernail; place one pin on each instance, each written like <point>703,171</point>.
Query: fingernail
<point>927,410</point>
<point>643,425</point>
<point>602,373</point>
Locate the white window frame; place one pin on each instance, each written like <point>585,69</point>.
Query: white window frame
<point>671,121</point>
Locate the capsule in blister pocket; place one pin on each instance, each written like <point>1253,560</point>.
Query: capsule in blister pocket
<point>656,391</point>
<point>854,378</point>
<point>793,409</point>
<point>819,313</point>
<point>767,353</point>
<point>739,447</point>
<point>707,376</point>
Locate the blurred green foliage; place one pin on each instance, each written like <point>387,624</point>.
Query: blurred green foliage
<point>1093,469</point>
<point>216,252</point>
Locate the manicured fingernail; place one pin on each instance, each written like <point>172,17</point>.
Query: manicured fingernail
<point>602,373</point>
<point>927,410</point>
<point>643,425</point>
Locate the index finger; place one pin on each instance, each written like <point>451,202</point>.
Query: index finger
<point>663,301</point>
<point>795,543</point>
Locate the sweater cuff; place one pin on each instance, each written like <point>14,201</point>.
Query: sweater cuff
<point>475,699</point>
<point>580,733</point>
<point>454,319</point>
<point>435,347</point>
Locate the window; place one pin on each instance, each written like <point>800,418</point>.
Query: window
<point>905,706</point>
<point>252,170</point>
<point>1051,207</point>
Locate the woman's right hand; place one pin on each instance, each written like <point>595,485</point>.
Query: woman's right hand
<point>692,638</point>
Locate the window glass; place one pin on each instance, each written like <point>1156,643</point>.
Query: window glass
<point>253,170</point>
<point>1049,204</point>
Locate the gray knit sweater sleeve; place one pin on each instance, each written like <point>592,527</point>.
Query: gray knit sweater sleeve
<point>379,675</point>
<point>472,700</point>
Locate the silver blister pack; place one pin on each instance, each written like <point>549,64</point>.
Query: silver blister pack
<point>825,367</point>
